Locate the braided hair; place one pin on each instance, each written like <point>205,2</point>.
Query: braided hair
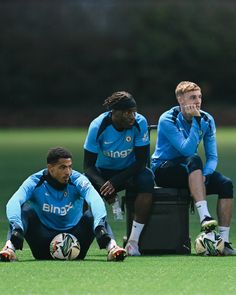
<point>119,100</point>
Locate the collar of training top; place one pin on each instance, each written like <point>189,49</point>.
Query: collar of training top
<point>55,183</point>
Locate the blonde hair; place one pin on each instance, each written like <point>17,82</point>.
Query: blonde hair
<point>186,86</point>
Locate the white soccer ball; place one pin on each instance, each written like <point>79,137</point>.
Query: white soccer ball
<point>209,244</point>
<point>64,246</point>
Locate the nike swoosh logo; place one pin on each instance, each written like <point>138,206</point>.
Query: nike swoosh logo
<point>107,142</point>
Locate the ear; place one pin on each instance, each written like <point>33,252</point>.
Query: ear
<point>49,167</point>
<point>180,99</point>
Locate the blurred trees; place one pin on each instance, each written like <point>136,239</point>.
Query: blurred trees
<point>76,53</point>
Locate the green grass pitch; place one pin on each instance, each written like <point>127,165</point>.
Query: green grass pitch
<point>23,152</point>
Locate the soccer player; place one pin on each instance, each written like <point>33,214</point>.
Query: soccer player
<point>116,151</point>
<point>50,202</point>
<point>176,163</point>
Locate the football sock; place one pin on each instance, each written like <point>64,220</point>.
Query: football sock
<point>10,245</point>
<point>224,232</point>
<point>136,231</point>
<point>111,244</point>
<point>202,209</point>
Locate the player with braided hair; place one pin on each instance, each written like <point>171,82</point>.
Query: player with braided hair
<point>118,97</point>
<point>116,151</point>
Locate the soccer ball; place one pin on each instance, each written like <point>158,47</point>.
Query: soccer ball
<point>209,244</point>
<point>64,246</point>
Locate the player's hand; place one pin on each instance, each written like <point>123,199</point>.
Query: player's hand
<point>191,110</point>
<point>107,189</point>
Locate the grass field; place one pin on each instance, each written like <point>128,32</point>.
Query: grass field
<point>23,152</point>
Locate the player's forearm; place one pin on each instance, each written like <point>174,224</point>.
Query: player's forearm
<point>211,154</point>
<point>120,178</point>
<point>13,211</point>
<point>186,146</point>
<point>97,205</point>
<point>95,177</point>
<point>210,166</point>
<point>141,156</point>
<point>90,169</point>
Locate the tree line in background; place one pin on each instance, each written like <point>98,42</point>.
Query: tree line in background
<point>76,53</point>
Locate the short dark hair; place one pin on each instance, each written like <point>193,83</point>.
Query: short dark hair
<point>56,153</point>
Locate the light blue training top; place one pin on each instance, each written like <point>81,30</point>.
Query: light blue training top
<point>179,138</point>
<point>115,148</point>
<point>56,209</point>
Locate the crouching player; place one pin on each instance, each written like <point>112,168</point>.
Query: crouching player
<point>50,202</point>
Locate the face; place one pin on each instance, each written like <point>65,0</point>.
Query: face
<point>191,98</point>
<point>61,171</point>
<point>124,119</point>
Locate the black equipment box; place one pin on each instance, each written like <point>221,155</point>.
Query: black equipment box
<point>167,231</point>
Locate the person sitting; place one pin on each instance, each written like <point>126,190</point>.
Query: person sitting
<point>176,163</point>
<point>116,151</point>
<point>50,202</point>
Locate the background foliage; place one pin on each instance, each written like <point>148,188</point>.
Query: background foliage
<point>58,55</point>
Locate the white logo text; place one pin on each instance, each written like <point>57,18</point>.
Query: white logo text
<point>118,154</point>
<point>57,210</point>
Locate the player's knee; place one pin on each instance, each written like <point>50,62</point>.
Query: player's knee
<point>145,181</point>
<point>88,216</point>
<point>194,163</point>
<point>226,189</point>
<point>87,221</point>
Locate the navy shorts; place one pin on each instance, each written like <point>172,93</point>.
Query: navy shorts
<point>175,174</point>
<point>38,236</point>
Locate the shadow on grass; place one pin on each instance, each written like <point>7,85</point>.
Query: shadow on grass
<point>87,259</point>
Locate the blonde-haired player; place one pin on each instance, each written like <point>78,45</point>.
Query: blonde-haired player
<point>176,163</point>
